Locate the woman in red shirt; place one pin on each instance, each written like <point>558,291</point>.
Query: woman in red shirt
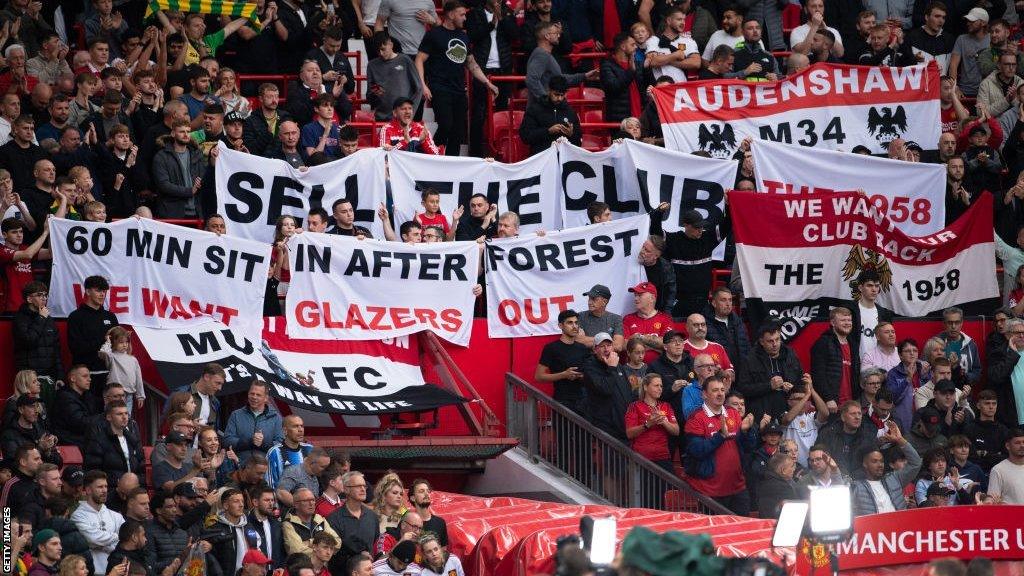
<point>650,423</point>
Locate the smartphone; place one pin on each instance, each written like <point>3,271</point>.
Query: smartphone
<point>602,541</point>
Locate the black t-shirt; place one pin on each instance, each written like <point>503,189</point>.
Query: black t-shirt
<point>559,356</point>
<point>447,51</point>
<point>437,525</point>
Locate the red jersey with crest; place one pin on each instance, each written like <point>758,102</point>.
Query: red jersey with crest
<point>728,477</point>
<point>633,324</point>
<point>713,349</point>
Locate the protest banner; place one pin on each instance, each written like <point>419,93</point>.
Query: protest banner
<point>634,178</point>
<point>799,254</point>
<point>343,288</point>
<point>345,377</point>
<point>253,192</point>
<point>160,274</point>
<point>833,106</point>
<point>911,194</point>
<point>527,188</point>
<point>530,279</point>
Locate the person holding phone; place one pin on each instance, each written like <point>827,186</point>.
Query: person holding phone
<point>550,118</point>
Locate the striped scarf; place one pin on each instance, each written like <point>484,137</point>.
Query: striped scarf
<point>233,8</point>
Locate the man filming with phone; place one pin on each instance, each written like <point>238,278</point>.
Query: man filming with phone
<point>550,118</point>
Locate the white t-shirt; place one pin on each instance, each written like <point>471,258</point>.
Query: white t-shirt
<point>1007,480</point>
<point>204,408</point>
<point>717,39</point>
<point>382,568</point>
<point>453,567</point>
<point>369,9</point>
<point>799,34</point>
<point>882,501</point>
<point>492,56</point>
<point>804,431</point>
<point>662,45</point>
<point>868,323</point>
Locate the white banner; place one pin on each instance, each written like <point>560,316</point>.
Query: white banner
<point>527,188</point>
<point>833,106</point>
<point>253,192</point>
<point>530,279</point>
<point>634,178</point>
<point>161,274</point>
<point>348,289</point>
<point>911,194</point>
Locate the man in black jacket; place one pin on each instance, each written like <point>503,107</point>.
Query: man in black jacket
<point>726,327</point>
<point>47,485</point>
<point>541,12</point>
<point>481,222</point>
<point>551,118</point>
<point>165,540</point>
<point>334,66</point>
<point>87,331</point>
<point>1001,364</point>
<point>490,23</point>
<point>224,534</point>
<point>28,430</point>
<point>835,366</point>
<point>690,251</point>
<point>262,124</point>
<point>262,520</point>
<point>767,375</point>
<point>131,546</point>
<point>73,408</point>
<point>608,390</point>
<point>848,436</point>
<point>26,461</point>
<point>104,450</point>
<point>36,341</point>
<point>675,366</point>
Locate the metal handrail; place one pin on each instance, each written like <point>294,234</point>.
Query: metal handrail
<point>592,457</point>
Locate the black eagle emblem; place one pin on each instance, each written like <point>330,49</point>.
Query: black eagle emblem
<point>886,125</point>
<point>717,141</point>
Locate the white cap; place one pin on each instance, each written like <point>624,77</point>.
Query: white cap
<point>601,337</point>
<point>977,14</point>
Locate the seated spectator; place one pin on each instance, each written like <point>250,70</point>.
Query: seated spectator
<point>437,561</point>
<point>173,470</point>
<point>73,407</point>
<point>998,88</point>
<point>177,191</point>
<point>823,471</point>
<point>960,348</point>
<point>634,366</point>
<point>403,133</point>
<point>47,553</point>
<point>481,222</point>
<point>26,382</point>
<point>356,524</point>
<point>432,216</point>
<point>218,463</point>
<point>212,129</point>
<point>697,343</point>
<point>778,486</point>
<point>287,146</point>
<point>95,521</point>
<point>940,418</point>
<point>619,79</point>
<point>647,322</point>
<point>20,154</point>
<point>713,465</point>
<point>251,476</point>
<point>720,65</point>
<point>880,491</point>
<point>409,529</point>
<point>846,436</point>
<point>181,406</point>
<point>802,423</point>
<point>299,527</point>
<point>124,489</point>
<point>986,434</point>
<point>401,560</point>
<point>801,39</point>
<point>291,451</point>
<point>303,92</point>
<point>982,162</point>
<point>262,124</point>
<point>673,53</point>
<point>115,449</point>
<point>303,475</point>
<point>934,471</point>
<point>262,518</point>
<point>320,135</point>
<point>1006,480</point>
<point>651,424</point>
<point>756,463</point>
<point>390,76</point>
<point>549,118</point>
<point>959,452</point>
<point>768,375</point>
<point>752,52</point>
<point>342,221</point>
<point>27,429</point>
<point>704,367</point>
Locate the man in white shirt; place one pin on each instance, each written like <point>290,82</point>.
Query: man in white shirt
<point>801,38</point>
<point>673,52</point>
<point>866,314</point>
<point>802,424</point>
<point>97,523</point>
<point>730,33</point>
<point>877,491</point>
<point>1007,477</point>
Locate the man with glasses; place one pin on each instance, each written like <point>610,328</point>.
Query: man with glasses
<point>704,367</point>
<point>596,319</point>
<point>299,526</point>
<point>697,343</point>
<point>824,471</point>
<point>996,90</point>
<point>846,437</point>
<point>409,529</point>
<point>960,348</point>
<point>184,425</point>
<point>355,523</point>
<point>87,331</point>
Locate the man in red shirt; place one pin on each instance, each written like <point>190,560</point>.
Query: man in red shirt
<point>835,369</point>
<point>16,259</point>
<point>697,343</point>
<point>712,462</point>
<point>647,322</point>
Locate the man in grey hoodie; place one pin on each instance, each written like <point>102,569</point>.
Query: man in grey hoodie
<point>228,535</point>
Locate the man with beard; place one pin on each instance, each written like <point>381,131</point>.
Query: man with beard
<point>768,374</point>
<point>59,111</point>
<point>673,53</point>
<point>419,494</point>
<point>802,36</point>
<point>541,12</point>
<point>165,540</point>
<point>879,491</point>
<point>482,220</point>
<point>752,52</point>
<point>729,35</point>
<point>726,327</point>
<point>262,124</point>
<point>561,362</point>
<point>177,190</point>
<point>964,66</point>
<point>930,42</point>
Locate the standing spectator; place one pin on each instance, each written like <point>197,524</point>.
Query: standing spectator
<point>675,366</point>
<point>73,407</point>
<point>647,322</point>
<point>319,138</point>
<point>492,30</point>
<point>404,133</point>
<point>659,271</point>
<point>561,362</point>
<point>331,489</point>
<point>420,496</point>
<point>963,62</point>
<point>982,162</point>
<point>930,41</point>
<point>289,452</point>
<point>960,348</point>
<point>651,424</point>
<point>95,521</point>
<point>881,491</point>
<point>867,314</point>
<point>597,319</point>
<point>619,79</point>
<point>549,118</point>
<point>673,53</point>
<point>406,22</point>
<point>543,66</point>
<point>116,353</point>
<point>356,524</point>
<point>885,355</point>
<point>287,146</point>
<point>802,37</point>
<point>300,526</point>
<point>255,427</point>
<point>36,341</point>
<point>608,391</point>
<point>292,29</point>
<point>940,419</point>
<point>725,326</point>
<point>198,96</point>
<point>767,376</point>
<point>16,259</point>
<point>538,12</point>
<point>304,92</point>
<point>389,77</point>
<point>227,535</point>
<point>334,66</point>
<point>894,13</point>
<point>730,34</point>
<point>51,63</point>
<point>177,190</point>
<point>26,428</point>
<point>767,15</point>
<point>1007,477</point>
<point>987,435</point>
<point>834,366</point>
<point>713,465</point>
<point>847,436</point>
<point>20,154</point>
<point>904,379</point>
<point>114,448</point>
<point>262,124</point>
<point>441,62</point>
<point>803,424</point>
<point>885,47</point>
<point>263,519</point>
<point>697,343</point>
<point>690,253</point>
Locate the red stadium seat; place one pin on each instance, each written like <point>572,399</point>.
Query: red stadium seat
<point>71,455</point>
<point>362,116</point>
<point>791,17</point>
<point>506,143</point>
<point>592,116</point>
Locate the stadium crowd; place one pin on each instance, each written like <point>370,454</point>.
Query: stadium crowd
<point>125,122</point>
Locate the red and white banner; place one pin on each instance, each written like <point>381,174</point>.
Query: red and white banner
<point>160,274</point>
<point>806,249</point>
<point>827,105</point>
<point>530,279</point>
<point>342,376</point>
<point>922,535</point>
<point>911,194</point>
<point>348,289</point>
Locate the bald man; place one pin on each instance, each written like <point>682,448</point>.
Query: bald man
<point>289,452</point>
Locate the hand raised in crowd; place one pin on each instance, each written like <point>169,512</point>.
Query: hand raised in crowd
<point>765,421</point>
<point>748,421</point>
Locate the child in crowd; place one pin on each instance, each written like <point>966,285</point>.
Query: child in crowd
<point>116,353</point>
<point>432,216</point>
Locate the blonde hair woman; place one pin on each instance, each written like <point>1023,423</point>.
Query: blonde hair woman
<point>389,500</point>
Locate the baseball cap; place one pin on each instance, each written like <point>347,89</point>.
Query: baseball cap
<point>938,489</point>
<point>186,489</point>
<point>404,551</point>
<point>945,386</point>
<point>773,427</point>
<point>233,116</point>
<point>255,556</point>
<point>599,290</point>
<point>73,476</point>
<point>42,536</point>
<point>400,101</point>
<point>978,129</point>
<point>26,400</point>
<point>644,288</point>
<point>693,218</point>
<point>602,337</point>
<point>175,437</point>
<point>672,335</point>
<point>977,14</point>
